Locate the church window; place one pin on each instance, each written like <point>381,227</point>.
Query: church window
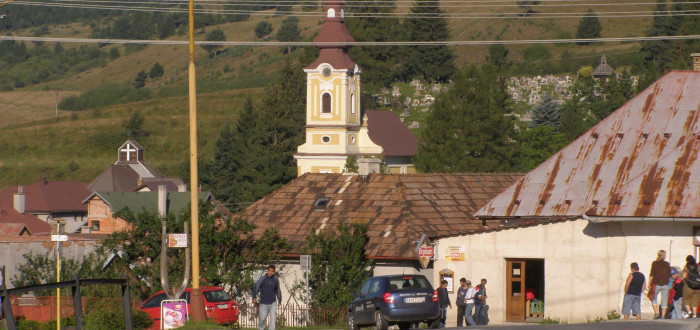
<point>326,139</point>
<point>326,103</point>
<point>326,72</point>
<point>352,139</point>
<point>352,103</point>
<point>331,13</point>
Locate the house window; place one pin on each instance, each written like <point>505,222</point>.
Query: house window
<point>95,226</point>
<point>326,103</point>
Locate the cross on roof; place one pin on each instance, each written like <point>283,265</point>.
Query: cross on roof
<point>128,150</point>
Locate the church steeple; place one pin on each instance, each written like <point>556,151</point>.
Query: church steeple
<point>333,115</point>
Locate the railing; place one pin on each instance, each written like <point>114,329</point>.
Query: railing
<point>75,284</point>
<point>292,315</point>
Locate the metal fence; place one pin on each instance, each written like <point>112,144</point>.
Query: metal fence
<point>293,315</point>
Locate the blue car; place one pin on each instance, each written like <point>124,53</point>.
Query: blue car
<point>394,299</point>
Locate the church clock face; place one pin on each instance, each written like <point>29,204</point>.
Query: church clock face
<point>326,72</point>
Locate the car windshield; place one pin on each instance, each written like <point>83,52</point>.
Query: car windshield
<point>407,282</point>
<point>216,296</point>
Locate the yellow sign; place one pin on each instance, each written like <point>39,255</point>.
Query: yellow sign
<point>455,253</point>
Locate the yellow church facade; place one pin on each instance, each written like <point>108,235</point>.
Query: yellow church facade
<point>336,128</point>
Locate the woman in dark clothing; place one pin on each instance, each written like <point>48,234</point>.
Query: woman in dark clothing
<point>634,286</point>
<point>691,292</point>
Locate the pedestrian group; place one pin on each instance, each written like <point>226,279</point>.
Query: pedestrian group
<point>674,293</point>
<point>469,299</point>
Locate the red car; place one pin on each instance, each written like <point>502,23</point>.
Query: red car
<point>217,305</point>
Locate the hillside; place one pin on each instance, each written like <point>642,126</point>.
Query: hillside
<point>78,145</point>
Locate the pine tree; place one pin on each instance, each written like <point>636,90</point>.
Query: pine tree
<point>498,57</point>
<point>140,80</point>
<point>156,71</point>
<point>432,63</point>
<point>470,127</point>
<point>379,63</point>
<point>536,144</point>
<point>547,113</point>
<point>588,28</point>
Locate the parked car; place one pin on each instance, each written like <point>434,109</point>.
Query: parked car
<point>394,299</point>
<point>217,305</point>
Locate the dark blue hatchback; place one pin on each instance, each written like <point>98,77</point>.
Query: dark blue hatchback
<point>394,299</point>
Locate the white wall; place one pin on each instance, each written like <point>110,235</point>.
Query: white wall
<point>585,264</point>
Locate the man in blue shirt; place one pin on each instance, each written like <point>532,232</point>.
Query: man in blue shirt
<point>269,287</point>
<point>480,308</point>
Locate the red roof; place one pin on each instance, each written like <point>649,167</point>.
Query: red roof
<point>332,39</point>
<point>641,161</point>
<point>8,215</point>
<point>397,208</point>
<point>386,130</point>
<point>50,196</point>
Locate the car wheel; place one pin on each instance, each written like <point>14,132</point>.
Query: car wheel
<point>434,324</point>
<point>382,323</point>
<point>351,322</point>
<point>404,326</point>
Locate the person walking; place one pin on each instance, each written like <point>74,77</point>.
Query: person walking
<point>461,301</point>
<point>677,284</point>
<point>691,289</point>
<point>480,308</point>
<point>659,276</point>
<point>443,302</point>
<point>469,300</point>
<point>269,287</point>
<point>634,286</point>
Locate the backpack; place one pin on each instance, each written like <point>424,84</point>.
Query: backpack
<point>693,279</point>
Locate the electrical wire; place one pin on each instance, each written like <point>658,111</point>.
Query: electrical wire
<point>357,43</point>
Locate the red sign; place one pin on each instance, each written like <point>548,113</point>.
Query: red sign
<point>425,251</point>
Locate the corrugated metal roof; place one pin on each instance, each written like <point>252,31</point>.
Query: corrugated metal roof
<point>147,201</point>
<point>641,161</point>
<point>397,208</point>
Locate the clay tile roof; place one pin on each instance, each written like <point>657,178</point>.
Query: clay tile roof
<point>640,161</point>
<point>36,227</point>
<point>386,130</point>
<point>396,208</point>
<point>49,196</point>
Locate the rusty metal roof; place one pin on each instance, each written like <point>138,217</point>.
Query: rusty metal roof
<point>397,208</point>
<point>641,161</point>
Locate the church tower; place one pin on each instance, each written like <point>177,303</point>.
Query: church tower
<point>334,128</point>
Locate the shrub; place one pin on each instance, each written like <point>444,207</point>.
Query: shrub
<point>613,315</point>
<point>113,318</point>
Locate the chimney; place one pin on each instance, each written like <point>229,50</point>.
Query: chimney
<point>368,165</point>
<point>182,187</point>
<point>696,61</point>
<point>20,200</point>
<point>162,203</point>
<point>139,182</point>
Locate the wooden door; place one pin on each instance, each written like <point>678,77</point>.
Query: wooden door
<point>515,290</point>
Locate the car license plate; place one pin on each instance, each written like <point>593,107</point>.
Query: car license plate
<point>414,300</point>
<point>222,306</point>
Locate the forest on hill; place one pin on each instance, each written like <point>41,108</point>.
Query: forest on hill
<point>72,104</point>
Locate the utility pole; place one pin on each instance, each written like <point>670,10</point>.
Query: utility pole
<point>196,298</point>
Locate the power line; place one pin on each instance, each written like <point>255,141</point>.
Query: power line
<point>349,44</point>
<point>128,6</point>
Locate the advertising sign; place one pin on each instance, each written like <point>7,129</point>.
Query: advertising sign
<point>455,253</point>
<point>424,251</point>
<point>173,313</point>
<point>177,240</point>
